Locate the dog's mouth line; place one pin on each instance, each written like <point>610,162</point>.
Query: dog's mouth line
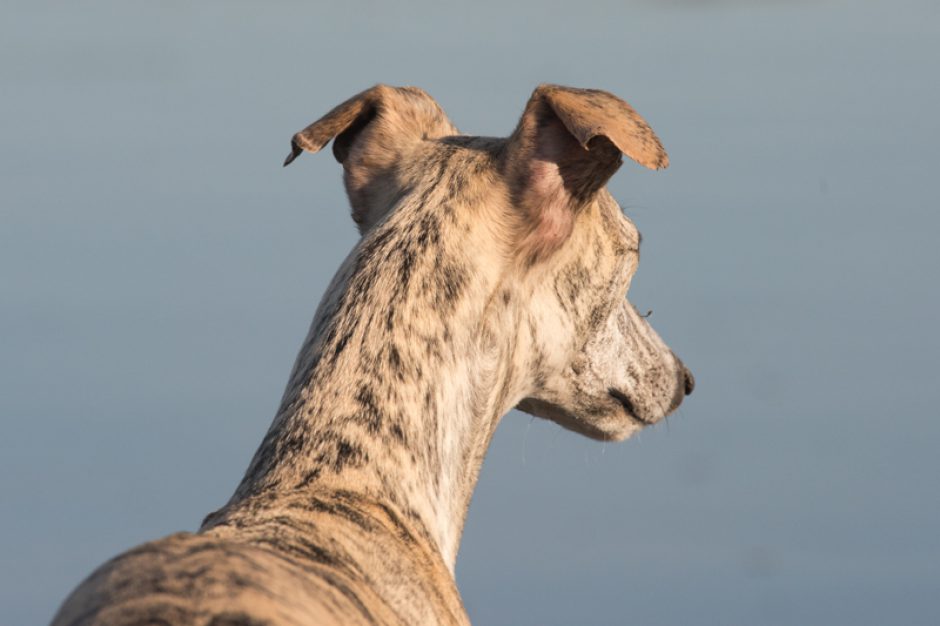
<point>627,405</point>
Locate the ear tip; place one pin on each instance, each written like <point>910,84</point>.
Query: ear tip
<point>295,152</point>
<point>656,156</point>
<point>659,160</point>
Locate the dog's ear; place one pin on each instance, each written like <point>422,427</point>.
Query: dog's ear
<point>371,133</point>
<point>566,147</point>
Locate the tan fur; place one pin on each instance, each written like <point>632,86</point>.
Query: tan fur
<point>491,274</point>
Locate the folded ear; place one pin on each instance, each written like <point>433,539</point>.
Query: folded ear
<point>372,132</point>
<point>349,117</point>
<point>566,147</point>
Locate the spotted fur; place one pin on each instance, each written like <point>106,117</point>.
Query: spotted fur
<point>491,274</point>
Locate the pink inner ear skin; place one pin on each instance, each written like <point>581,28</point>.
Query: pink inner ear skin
<point>547,205</point>
<point>546,199</point>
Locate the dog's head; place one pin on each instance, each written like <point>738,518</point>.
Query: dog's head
<point>530,224</point>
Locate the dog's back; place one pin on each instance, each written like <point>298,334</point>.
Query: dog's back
<point>297,565</point>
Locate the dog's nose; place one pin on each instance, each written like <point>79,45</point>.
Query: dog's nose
<point>686,380</point>
<point>689,380</point>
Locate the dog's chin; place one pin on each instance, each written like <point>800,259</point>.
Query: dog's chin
<point>607,424</point>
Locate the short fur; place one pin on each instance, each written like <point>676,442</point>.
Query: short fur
<point>491,274</point>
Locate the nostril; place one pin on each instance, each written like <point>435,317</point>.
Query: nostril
<point>689,381</point>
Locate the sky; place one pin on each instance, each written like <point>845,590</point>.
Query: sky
<point>159,269</point>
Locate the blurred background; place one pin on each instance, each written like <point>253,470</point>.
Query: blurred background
<point>158,271</point>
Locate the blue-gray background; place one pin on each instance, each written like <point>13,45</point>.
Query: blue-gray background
<point>158,269</point>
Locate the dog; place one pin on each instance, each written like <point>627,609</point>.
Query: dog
<point>491,273</point>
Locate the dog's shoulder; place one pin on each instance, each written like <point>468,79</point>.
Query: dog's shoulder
<point>204,580</point>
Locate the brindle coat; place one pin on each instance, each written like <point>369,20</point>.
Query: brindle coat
<point>491,274</point>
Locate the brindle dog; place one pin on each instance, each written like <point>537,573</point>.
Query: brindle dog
<point>491,274</point>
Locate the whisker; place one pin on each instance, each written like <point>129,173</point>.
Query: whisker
<point>525,438</point>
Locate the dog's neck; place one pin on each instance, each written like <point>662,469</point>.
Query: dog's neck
<point>400,384</point>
